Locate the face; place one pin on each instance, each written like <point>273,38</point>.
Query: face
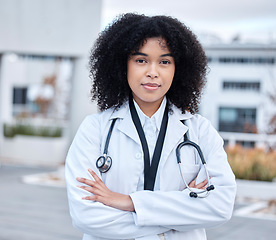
<point>150,73</point>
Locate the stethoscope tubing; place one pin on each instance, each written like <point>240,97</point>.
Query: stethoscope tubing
<point>194,192</point>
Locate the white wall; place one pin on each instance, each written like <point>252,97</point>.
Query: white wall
<point>80,103</point>
<point>59,27</point>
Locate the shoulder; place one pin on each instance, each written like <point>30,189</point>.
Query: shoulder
<point>101,119</point>
<point>200,121</point>
<point>207,135</point>
<point>96,119</point>
<point>193,120</point>
<point>197,124</point>
<point>204,126</point>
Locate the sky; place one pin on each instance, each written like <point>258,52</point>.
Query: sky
<point>252,19</point>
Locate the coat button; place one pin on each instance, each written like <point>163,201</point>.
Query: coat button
<point>138,155</point>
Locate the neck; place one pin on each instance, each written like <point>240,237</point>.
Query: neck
<point>149,108</point>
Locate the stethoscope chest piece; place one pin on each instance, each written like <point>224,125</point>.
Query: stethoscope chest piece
<point>103,163</point>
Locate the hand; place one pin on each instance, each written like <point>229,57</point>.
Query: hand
<point>202,185</point>
<point>103,195</point>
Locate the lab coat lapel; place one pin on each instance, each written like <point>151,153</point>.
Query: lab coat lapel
<point>126,124</point>
<point>175,131</point>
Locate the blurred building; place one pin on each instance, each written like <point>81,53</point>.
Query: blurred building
<point>44,82</point>
<point>237,98</point>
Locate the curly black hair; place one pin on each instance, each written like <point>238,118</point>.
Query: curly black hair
<point>108,60</point>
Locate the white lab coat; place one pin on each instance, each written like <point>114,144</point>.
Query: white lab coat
<point>169,210</point>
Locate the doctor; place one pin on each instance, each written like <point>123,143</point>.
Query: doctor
<point>148,76</point>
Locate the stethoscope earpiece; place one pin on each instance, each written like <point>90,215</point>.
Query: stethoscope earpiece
<point>210,188</point>
<point>193,195</point>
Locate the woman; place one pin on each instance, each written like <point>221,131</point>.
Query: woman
<point>148,75</point>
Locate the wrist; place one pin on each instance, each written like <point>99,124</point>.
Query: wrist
<point>130,205</point>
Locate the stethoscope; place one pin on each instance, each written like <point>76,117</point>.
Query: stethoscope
<point>200,193</point>
<point>104,163</point>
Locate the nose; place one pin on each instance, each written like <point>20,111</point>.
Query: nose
<point>152,71</point>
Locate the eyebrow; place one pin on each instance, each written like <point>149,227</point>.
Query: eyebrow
<point>146,55</point>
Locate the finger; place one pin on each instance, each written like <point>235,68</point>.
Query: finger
<point>94,198</point>
<point>94,175</point>
<point>202,184</point>
<point>88,189</point>
<point>96,178</point>
<point>192,183</point>
<point>104,200</point>
<point>86,181</point>
<point>93,190</point>
<point>97,188</point>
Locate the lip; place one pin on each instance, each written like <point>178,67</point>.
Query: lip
<point>151,86</point>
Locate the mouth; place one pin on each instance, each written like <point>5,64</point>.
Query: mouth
<point>151,86</point>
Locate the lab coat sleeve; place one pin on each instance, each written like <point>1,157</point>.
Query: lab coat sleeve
<point>94,218</point>
<point>176,209</point>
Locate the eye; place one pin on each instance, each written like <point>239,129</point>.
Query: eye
<point>165,62</point>
<point>140,61</point>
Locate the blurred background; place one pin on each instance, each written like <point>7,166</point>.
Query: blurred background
<point>44,96</point>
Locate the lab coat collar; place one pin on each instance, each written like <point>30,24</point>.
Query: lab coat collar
<point>156,118</point>
<point>125,125</point>
<point>175,129</point>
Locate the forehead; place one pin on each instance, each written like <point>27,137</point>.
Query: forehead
<point>156,41</point>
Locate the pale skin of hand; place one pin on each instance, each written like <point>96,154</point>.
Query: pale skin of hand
<point>112,199</point>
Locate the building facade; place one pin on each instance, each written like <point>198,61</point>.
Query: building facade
<point>44,81</point>
<point>237,97</point>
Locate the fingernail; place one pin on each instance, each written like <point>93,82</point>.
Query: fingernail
<point>90,170</point>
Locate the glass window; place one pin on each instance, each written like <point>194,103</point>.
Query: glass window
<point>241,85</point>
<point>228,115</point>
<point>19,95</point>
<point>247,60</point>
<point>237,120</point>
<point>42,90</point>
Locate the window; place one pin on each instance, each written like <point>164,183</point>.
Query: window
<point>242,85</point>
<point>43,89</point>
<point>19,100</point>
<point>247,60</point>
<point>242,60</point>
<point>237,120</point>
<point>19,95</point>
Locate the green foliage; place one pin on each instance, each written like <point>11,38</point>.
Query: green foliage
<point>252,164</point>
<point>29,130</point>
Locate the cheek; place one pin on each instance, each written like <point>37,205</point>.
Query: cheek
<point>170,76</point>
<point>134,75</point>
<point>132,81</point>
<point>130,73</point>
<point>173,71</point>
<point>130,78</point>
